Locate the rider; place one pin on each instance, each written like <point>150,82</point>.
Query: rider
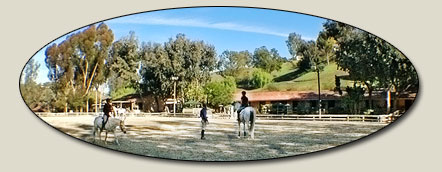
<point>244,102</point>
<point>107,110</point>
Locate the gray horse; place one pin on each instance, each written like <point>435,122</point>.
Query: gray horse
<point>247,117</point>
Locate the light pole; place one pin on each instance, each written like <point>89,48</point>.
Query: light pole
<point>174,79</point>
<point>319,90</point>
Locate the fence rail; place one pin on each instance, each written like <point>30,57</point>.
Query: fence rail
<point>325,117</point>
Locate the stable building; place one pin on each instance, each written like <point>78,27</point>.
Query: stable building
<point>306,102</point>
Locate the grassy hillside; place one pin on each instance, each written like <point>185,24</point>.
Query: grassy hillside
<point>290,79</point>
<point>294,80</point>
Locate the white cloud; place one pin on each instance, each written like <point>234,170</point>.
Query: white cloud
<point>158,20</point>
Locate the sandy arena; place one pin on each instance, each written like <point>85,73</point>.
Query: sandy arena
<point>179,138</point>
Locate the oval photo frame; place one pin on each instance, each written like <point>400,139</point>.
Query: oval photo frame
<point>158,83</point>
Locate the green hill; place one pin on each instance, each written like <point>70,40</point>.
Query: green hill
<point>288,79</point>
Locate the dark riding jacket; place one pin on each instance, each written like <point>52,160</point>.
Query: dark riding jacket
<point>203,114</point>
<point>107,109</point>
<point>244,101</point>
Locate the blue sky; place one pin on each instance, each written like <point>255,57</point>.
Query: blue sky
<point>226,28</point>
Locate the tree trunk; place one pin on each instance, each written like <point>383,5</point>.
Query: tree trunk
<point>157,101</point>
<point>65,107</point>
<point>370,98</point>
<point>90,80</point>
<point>96,101</point>
<point>87,106</point>
<point>370,93</point>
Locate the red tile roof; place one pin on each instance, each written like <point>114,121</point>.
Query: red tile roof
<point>286,95</point>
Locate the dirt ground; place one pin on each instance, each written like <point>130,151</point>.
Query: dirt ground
<point>179,138</point>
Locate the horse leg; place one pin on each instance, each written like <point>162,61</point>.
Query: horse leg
<point>245,134</point>
<point>99,133</point>
<point>116,138</point>
<point>105,138</point>
<point>251,128</point>
<point>239,129</point>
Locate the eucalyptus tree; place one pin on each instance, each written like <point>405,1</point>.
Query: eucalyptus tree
<point>79,63</point>
<point>297,47</point>
<point>294,44</point>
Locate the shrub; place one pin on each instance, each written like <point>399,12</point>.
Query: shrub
<point>260,78</point>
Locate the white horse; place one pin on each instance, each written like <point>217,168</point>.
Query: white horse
<point>247,117</point>
<point>110,126</point>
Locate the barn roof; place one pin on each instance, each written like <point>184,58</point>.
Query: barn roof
<point>287,95</point>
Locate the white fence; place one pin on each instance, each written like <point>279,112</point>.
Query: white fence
<point>325,117</point>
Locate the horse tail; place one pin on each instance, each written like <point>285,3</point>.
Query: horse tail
<point>252,123</point>
<point>252,118</point>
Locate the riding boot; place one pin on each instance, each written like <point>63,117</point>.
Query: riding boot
<point>104,123</point>
<point>202,135</point>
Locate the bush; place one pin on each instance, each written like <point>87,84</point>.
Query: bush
<point>260,78</point>
<point>220,92</point>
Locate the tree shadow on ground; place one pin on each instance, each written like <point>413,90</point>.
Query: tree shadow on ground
<point>77,132</point>
<point>290,76</point>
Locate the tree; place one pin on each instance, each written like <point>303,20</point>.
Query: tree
<point>352,101</point>
<point>124,66</point>
<point>267,60</point>
<point>337,30</point>
<point>327,45</point>
<point>232,62</point>
<point>359,55</point>
<point>312,55</point>
<point>400,76</point>
<point>79,63</point>
<point>295,44</point>
<point>300,48</point>
<point>37,96</point>
<point>260,78</point>
<point>30,72</point>
<point>190,61</point>
<point>28,86</point>
<point>220,92</point>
